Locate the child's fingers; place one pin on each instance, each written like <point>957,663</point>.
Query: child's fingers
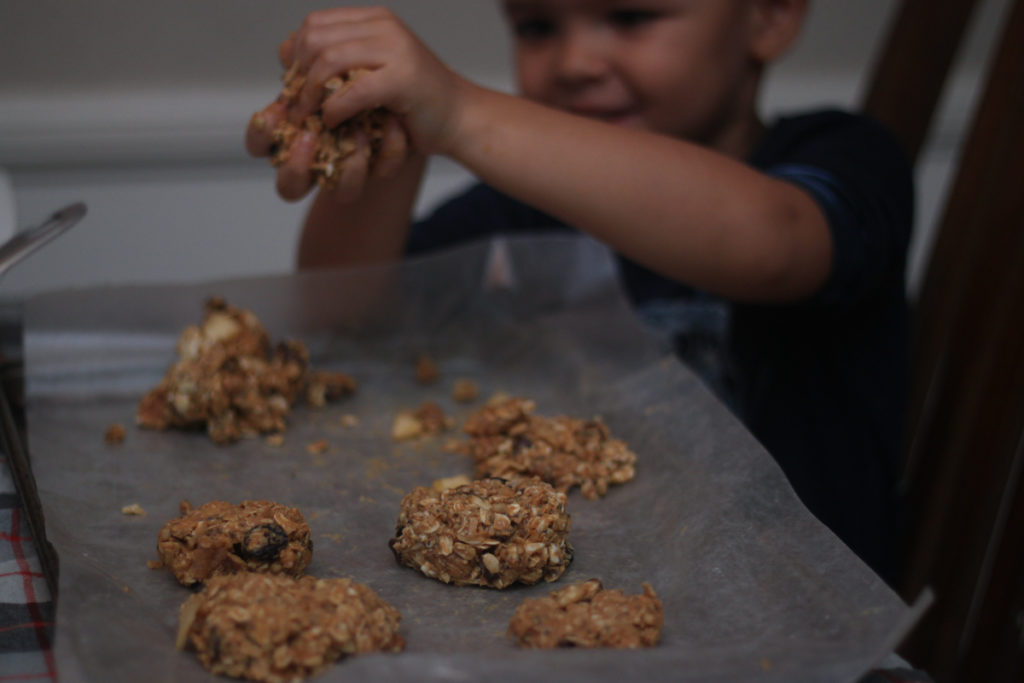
<point>295,176</point>
<point>394,147</point>
<point>356,51</point>
<point>327,27</point>
<point>259,133</point>
<point>359,94</point>
<point>286,51</point>
<point>353,173</point>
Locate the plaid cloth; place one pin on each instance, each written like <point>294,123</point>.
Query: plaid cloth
<point>26,608</point>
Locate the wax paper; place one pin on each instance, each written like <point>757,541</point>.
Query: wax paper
<point>754,587</point>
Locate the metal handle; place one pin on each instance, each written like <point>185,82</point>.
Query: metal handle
<point>25,242</point>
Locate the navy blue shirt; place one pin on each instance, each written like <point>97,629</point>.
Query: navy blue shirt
<point>820,382</point>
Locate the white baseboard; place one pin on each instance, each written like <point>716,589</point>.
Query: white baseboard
<point>201,124</point>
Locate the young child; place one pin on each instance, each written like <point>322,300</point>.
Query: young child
<point>638,125</point>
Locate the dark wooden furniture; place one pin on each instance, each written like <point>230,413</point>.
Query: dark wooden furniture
<point>964,474</point>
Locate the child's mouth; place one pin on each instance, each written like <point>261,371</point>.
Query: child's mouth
<point>618,117</point>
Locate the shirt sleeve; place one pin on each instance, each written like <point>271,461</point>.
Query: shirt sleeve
<point>859,177</point>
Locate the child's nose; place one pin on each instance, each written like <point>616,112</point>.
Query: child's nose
<point>582,56</point>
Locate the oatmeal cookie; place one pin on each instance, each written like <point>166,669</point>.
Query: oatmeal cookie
<point>485,533</point>
<point>586,615</point>
<point>276,628</point>
<point>333,144</point>
<point>229,380</point>
<point>221,538</point>
<point>507,440</point>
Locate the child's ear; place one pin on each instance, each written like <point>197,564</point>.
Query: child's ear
<point>776,25</point>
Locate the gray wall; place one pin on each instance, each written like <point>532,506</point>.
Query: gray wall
<point>138,108</point>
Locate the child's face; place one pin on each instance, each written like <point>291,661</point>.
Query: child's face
<point>677,67</point>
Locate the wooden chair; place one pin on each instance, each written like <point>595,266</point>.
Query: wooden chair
<point>964,468</point>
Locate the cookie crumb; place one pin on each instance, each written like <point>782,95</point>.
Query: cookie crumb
<point>426,420</point>
<point>133,510</point>
<point>275,440</point>
<point>317,447</point>
<point>115,433</point>
<point>426,369</point>
<point>349,420</point>
<point>465,391</point>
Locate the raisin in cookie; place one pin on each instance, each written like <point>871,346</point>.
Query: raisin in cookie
<point>221,538</point>
<point>586,615</point>
<point>485,533</point>
<point>276,628</point>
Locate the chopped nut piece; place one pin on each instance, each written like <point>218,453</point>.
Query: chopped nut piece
<point>317,447</point>
<point>426,369</point>
<point>133,510</point>
<point>406,426</point>
<point>220,538</point>
<point>587,615</point>
<point>450,482</point>
<point>333,145</point>
<point>485,533</point>
<point>507,441</point>
<point>115,433</point>
<point>230,380</point>
<point>276,629</point>
<point>426,420</point>
<point>465,391</point>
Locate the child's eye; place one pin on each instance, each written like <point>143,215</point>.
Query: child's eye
<point>631,18</point>
<point>534,29</point>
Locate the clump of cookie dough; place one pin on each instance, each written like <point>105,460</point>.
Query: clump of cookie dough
<point>220,538</point>
<point>276,629</point>
<point>506,440</point>
<point>587,615</point>
<point>333,145</point>
<point>486,533</point>
<point>229,380</point>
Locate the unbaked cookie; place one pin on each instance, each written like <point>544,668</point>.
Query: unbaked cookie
<point>586,615</point>
<point>485,533</point>
<point>276,628</point>
<point>231,381</point>
<point>507,440</point>
<point>333,145</point>
<point>221,538</point>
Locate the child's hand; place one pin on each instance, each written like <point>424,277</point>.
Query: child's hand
<point>404,77</point>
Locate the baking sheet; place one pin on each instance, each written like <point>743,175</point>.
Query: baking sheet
<point>753,586</point>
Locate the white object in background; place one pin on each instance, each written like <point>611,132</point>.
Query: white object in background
<point>8,212</point>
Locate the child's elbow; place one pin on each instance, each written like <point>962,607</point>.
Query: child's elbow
<point>796,261</point>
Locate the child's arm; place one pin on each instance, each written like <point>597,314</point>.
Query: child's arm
<point>687,212</point>
<point>690,213</point>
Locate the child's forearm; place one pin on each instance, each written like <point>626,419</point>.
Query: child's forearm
<point>687,212</point>
<point>371,229</point>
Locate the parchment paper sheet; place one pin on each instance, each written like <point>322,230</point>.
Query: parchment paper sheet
<point>754,587</point>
